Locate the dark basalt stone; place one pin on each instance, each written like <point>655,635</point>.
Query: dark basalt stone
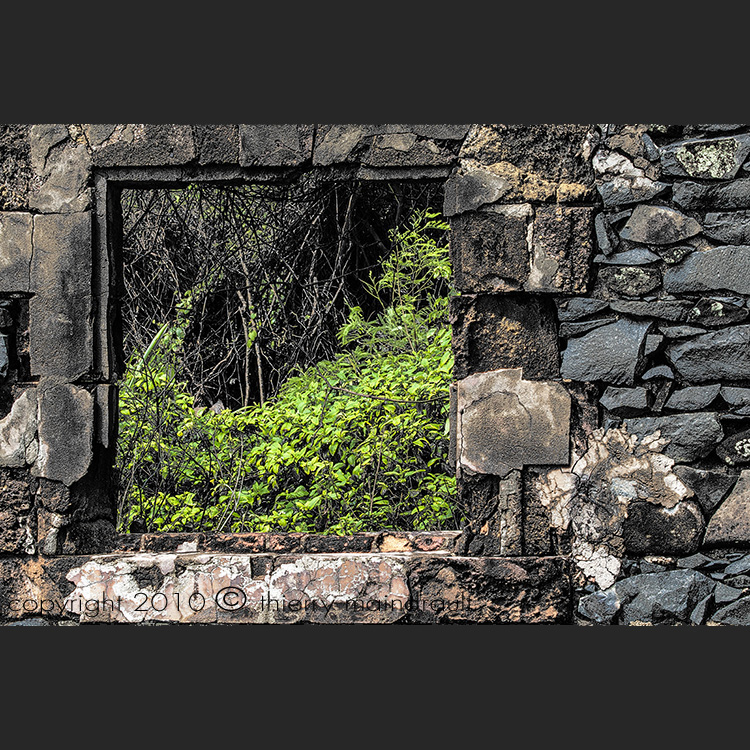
<point>650,529</point>
<point>667,598</point>
<point>735,450</point>
<point>691,436</point>
<point>611,353</point>
<point>718,355</point>
<point>723,267</point>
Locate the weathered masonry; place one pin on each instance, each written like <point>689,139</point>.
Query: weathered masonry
<point>600,409</point>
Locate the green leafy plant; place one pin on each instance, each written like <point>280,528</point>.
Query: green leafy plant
<point>357,442</point>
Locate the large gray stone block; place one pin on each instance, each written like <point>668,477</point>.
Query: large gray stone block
<point>60,312</point>
<point>728,227</point>
<point>146,145</point>
<point>66,429</point>
<point>217,144</point>
<point>62,254</point>
<point>64,177</point>
<point>505,422</point>
<point>15,251</point>
<point>662,598</point>
<point>60,336</point>
<point>721,197</point>
<point>691,436</point>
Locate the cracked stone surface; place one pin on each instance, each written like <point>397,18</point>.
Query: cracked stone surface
<point>592,497</point>
<point>505,422</point>
<point>562,247</point>
<point>195,587</point>
<point>64,170</point>
<point>238,589</point>
<point>275,145</point>
<point>66,425</point>
<point>489,249</point>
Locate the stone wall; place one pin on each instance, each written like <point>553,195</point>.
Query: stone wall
<point>601,404</point>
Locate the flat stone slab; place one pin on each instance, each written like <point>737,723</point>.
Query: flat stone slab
<point>60,312</point>
<point>719,355</point>
<point>576,308</point>
<point>737,398</point>
<point>729,227</point>
<point>720,197</point>
<point>66,426</point>
<point>637,256</point>
<point>693,398</point>
<point>610,353</point>
<point>625,401</point>
<point>724,267</point>
<point>505,422</point>
<point>417,587</point>
<point>15,251</point>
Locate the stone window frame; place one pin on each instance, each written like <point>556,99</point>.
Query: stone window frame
<point>110,180</point>
<point>74,275</point>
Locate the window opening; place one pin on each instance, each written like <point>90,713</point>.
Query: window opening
<point>287,358</point>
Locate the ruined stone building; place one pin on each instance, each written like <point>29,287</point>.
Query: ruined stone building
<point>600,409</point>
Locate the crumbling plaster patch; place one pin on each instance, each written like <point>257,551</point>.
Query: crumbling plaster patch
<point>592,496</point>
